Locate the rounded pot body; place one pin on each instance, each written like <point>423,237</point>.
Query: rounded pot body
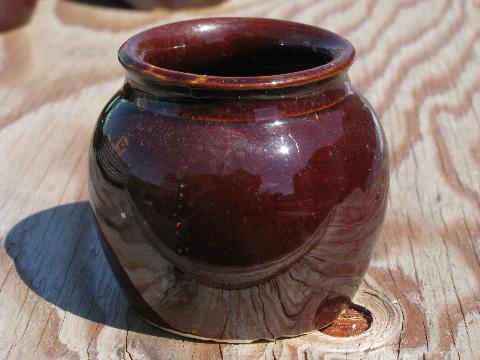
<point>14,13</point>
<point>243,203</point>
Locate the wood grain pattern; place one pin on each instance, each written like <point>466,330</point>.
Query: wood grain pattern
<point>417,62</point>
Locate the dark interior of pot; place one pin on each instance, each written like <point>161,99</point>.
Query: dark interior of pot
<point>236,48</point>
<point>245,59</point>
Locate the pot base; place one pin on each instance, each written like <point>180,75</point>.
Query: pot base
<point>227,341</point>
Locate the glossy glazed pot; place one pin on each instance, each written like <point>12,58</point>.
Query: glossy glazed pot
<point>14,13</point>
<point>238,180</point>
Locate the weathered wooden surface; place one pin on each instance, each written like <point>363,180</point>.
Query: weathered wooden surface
<point>417,62</point>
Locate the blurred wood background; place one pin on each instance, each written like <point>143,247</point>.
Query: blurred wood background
<point>418,62</point>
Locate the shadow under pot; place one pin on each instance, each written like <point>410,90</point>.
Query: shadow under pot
<point>238,181</point>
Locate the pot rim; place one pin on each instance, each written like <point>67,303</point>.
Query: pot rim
<point>131,56</point>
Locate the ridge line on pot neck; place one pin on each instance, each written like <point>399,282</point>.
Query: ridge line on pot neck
<point>237,57</point>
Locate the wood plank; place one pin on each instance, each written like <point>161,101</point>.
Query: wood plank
<point>417,62</point>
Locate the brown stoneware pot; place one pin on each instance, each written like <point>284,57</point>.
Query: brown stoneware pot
<point>238,180</point>
<point>14,13</point>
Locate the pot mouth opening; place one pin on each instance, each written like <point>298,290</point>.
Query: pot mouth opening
<point>236,54</point>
